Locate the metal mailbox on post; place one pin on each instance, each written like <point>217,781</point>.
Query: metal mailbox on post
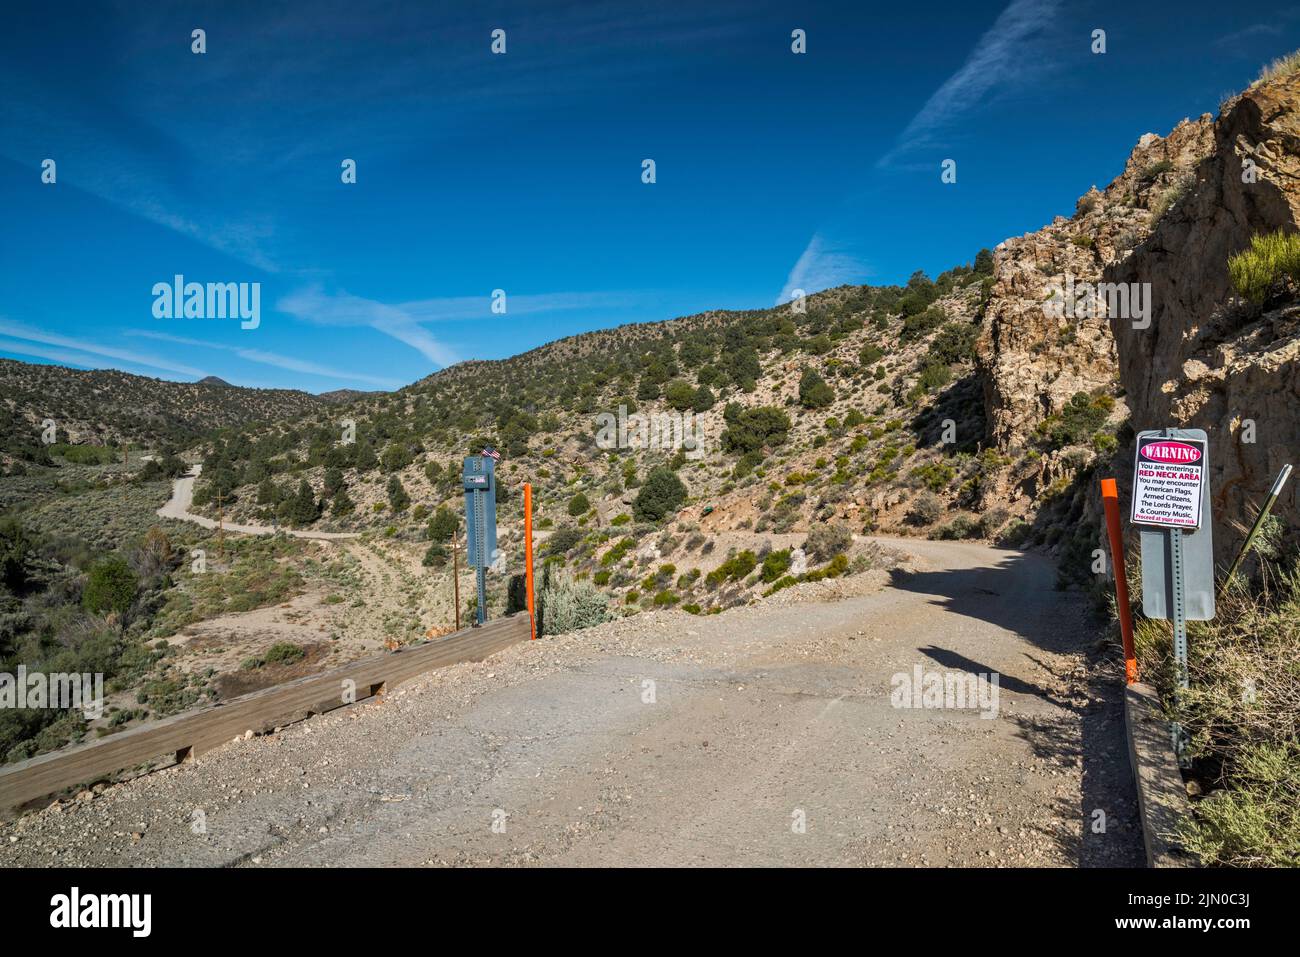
<point>479,481</point>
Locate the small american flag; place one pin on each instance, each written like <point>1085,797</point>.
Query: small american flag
<point>490,453</point>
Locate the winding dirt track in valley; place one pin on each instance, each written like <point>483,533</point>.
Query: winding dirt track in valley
<point>178,507</point>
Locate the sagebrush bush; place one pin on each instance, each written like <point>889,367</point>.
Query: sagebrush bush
<point>926,510</point>
<point>567,605</point>
<point>1241,713</point>
<point>826,541</point>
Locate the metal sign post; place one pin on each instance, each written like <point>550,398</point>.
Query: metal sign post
<point>1171,499</point>
<point>479,481</point>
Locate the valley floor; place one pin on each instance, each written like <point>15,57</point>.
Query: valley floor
<point>761,717</point>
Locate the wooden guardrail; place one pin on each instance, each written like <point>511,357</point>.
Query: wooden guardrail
<point>185,736</point>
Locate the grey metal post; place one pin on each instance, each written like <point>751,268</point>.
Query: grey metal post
<point>481,611</point>
<point>1273,493</point>
<point>1178,619</point>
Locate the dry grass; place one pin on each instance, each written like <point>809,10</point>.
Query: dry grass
<point>1242,713</point>
<point>1271,258</point>
<point>1282,66</point>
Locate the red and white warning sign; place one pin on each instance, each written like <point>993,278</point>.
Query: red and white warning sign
<point>1167,481</point>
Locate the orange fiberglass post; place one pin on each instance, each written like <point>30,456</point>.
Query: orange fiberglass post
<point>528,556</point>
<point>1110,498</point>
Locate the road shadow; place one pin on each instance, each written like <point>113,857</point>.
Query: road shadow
<point>1100,826</point>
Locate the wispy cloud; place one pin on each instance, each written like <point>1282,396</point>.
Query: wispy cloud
<point>404,321</point>
<point>822,266</point>
<point>87,351</point>
<point>1004,57</point>
<point>288,363</point>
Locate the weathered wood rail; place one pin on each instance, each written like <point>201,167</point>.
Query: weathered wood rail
<point>185,736</point>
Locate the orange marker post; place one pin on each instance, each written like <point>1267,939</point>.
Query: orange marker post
<point>528,557</point>
<point>1110,498</point>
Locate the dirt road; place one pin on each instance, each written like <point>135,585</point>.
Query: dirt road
<point>178,507</point>
<point>769,738</point>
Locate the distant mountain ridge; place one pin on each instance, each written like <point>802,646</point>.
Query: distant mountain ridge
<point>106,407</point>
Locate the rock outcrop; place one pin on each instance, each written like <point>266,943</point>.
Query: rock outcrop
<point>1031,363</point>
<point>1208,360</point>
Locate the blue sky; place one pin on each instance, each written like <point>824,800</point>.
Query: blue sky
<point>522,171</point>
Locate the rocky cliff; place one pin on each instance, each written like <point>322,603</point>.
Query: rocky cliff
<point>1208,359</point>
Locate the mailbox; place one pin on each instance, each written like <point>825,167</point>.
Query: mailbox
<point>478,478</point>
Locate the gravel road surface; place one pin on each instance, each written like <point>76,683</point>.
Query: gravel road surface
<point>762,736</point>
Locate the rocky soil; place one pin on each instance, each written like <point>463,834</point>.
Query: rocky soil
<point>769,739</point>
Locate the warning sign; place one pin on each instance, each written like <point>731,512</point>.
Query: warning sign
<point>1167,481</point>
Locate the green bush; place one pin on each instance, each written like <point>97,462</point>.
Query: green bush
<point>284,653</point>
<point>662,494</point>
<point>566,605</point>
<point>963,526</point>
<point>110,586</point>
<point>398,499</point>
<point>955,342</point>
<point>443,525</point>
<point>579,505</point>
<point>814,393</point>
<point>828,540</point>
<point>751,430</point>
<point>1257,271</point>
<point>775,565</point>
<point>926,510</point>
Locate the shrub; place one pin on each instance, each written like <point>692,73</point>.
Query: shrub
<point>750,430</point>
<point>110,586</point>
<point>703,399</point>
<point>955,342</point>
<point>443,525</point>
<point>15,546</point>
<point>826,541</point>
<point>916,326</point>
<point>680,395</point>
<point>814,393</point>
<point>284,653</point>
<point>775,565</point>
<point>992,521</point>
<point>660,496</point>
<point>562,540</point>
<point>578,505</point>
<point>397,497</point>
<point>926,510</point>
<point>396,457</point>
<point>963,526</point>
<point>1256,272</point>
<point>734,568</point>
<point>566,605</point>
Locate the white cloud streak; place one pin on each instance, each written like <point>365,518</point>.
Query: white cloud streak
<point>821,266</point>
<point>288,363</point>
<point>1003,57</point>
<point>405,321</point>
<point>26,334</point>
